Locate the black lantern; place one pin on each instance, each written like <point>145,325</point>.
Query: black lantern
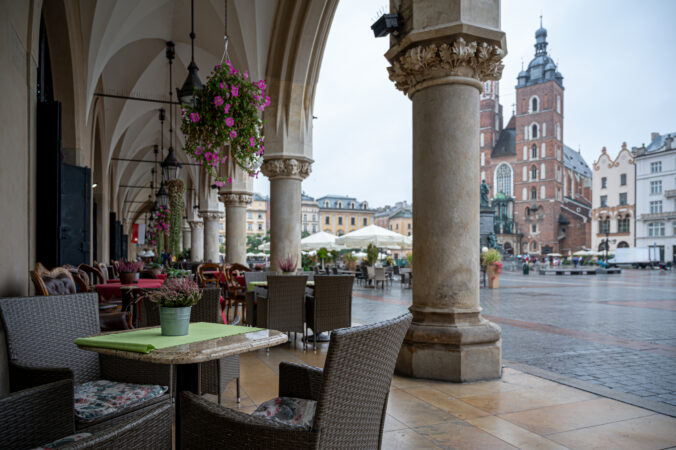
<point>193,84</point>
<point>386,24</point>
<point>171,168</point>
<point>162,196</point>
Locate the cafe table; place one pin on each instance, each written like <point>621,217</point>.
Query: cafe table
<point>183,354</point>
<point>264,284</point>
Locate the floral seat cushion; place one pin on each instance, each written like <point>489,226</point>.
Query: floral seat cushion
<point>63,441</point>
<point>288,410</point>
<point>97,399</point>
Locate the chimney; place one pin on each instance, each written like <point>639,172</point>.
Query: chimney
<point>654,136</point>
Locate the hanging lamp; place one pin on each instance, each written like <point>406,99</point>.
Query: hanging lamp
<point>192,85</point>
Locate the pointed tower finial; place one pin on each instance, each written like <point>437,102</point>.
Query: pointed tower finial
<point>540,20</point>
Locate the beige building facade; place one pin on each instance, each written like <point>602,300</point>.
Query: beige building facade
<point>614,201</point>
<point>310,217</point>
<point>257,216</point>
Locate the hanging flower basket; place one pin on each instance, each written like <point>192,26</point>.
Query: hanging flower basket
<point>225,122</point>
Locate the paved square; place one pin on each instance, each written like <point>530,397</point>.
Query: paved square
<point>616,331</point>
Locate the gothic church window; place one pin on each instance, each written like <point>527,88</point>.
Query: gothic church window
<point>503,178</point>
<point>534,104</point>
<point>534,173</point>
<point>534,131</point>
<point>533,193</point>
<point>534,152</point>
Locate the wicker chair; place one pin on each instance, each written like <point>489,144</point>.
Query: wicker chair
<point>250,312</point>
<point>351,393</point>
<point>40,345</point>
<point>96,274</point>
<point>104,271</point>
<point>37,416</point>
<point>331,306</point>
<point>214,375</point>
<point>284,307</point>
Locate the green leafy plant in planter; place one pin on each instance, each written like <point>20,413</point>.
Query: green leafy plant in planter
<point>176,298</point>
<point>350,261</point>
<point>334,256</point>
<point>491,260</point>
<point>322,254</point>
<point>409,258</point>
<point>176,192</point>
<point>371,254</point>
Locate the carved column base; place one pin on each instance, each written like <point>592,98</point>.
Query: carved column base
<point>468,349</point>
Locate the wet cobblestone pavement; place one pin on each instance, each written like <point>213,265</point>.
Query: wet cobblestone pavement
<point>615,331</point>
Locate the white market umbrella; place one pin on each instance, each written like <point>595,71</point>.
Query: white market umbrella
<point>320,240</point>
<point>373,234</point>
<point>360,255</point>
<point>581,253</point>
<point>555,255</point>
<point>264,247</point>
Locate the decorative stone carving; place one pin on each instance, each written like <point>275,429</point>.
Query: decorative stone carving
<point>474,60</point>
<point>287,168</point>
<point>211,215</point>
<point>196,225</point>
<point>236,199</point>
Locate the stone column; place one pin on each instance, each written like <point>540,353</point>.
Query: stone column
<point>211,221</point>
<point>197,241</point>
<point>443,75</point>
<point>286,175</point>
<point>186,235</point>
<point>235,226</point>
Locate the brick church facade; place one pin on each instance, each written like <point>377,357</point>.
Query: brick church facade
<point>548,183</point>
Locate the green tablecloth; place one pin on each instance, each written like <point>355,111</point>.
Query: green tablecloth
<point>254,284</point>
<point>149,339</point>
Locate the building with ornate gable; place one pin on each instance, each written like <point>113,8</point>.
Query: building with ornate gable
<point>614,202</point>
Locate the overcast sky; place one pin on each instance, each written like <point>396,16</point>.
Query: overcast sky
<point>618,60</point>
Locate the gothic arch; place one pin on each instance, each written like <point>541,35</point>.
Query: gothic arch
<point>503,179</point>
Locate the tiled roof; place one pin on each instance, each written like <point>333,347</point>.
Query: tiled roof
<point>574,161</point>
<point>506,145</point>
<point>658,142</point>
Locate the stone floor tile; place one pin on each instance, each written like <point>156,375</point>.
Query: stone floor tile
<point>392,424</point>
<point>461,390</point>
<point>525,399</point>
<point>412,411</point>
<point>651,432</point>
<point>462,435</point>
<point>406,439</point>
<point>514,435</point>
<point>571,416</point>
<point>445,402</point>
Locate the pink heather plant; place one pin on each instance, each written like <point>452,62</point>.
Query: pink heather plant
<point>176,293</point>
<point>287,264</point>
<point>129,266</point>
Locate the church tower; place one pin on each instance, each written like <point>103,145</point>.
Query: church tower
<point>490,119</point>
<point>539,167</point>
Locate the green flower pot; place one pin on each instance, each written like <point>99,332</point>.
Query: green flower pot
<point>175,321</point>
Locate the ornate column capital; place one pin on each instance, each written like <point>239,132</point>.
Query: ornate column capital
<point>211,215</point>
<point>426,65</point>
<point>196,224</point>
<point>236,198</point>
<point>296,168</point>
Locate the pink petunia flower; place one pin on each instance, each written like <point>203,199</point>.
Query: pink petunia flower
<point>229,121</point>
<point>229,180</point>
<point>235,91</point>
<point>233,134</point>
<point>219,183</point>
<point>226,109</point>
<point>252,141</point>
<point>223,86</point>
<point>218,100</point>
<point>195,117</point>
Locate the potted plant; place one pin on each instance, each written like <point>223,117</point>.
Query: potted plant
<point>128,270</point>
<point>156,268</point>
<point>287,265</point>
<point>371,255</point>
<point>350,261</point>
<point>322,254</point>
<point>175,299</point>
<point>491,260</point>
<point>409,258</point>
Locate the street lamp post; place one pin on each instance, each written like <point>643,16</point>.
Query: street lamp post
<point>607,243</point>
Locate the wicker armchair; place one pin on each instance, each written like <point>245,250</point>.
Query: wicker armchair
<point>284,307</point>
<point>351,393</point>
<point>40,333</point>
<point>331,306</point>
<point>214,375</point>
<point>37,416</point>
<point>104,271</point>
<point>96,274</point>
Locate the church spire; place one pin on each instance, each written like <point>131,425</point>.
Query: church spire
<point>541,40</point>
